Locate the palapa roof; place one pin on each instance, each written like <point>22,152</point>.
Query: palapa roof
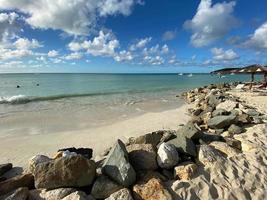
<point>251,69</point>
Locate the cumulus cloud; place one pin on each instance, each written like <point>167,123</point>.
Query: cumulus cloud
<point>25,43</point>
<point>8,26</point>
<point>165,49</point>
<point>140,43</point>
<point>74,56</point>
<point>104,44</point>
<point>52,53</point>
<point>154,60</point>
<point>211,22</point>
<point>258,40</point>
<point>123,56</point>
<point>169,35</point>
<point>75,17</point>
<point>224,55</point>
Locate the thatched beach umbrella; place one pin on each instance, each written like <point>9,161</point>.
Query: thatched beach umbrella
<point>225,71</point>
<point>253,69</point>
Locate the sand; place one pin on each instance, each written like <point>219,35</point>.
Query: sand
<point>19,149</point>
<point>241,176</point>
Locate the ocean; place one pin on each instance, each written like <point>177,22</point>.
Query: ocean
<point>47,103</point>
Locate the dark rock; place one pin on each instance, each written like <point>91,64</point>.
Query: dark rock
<point>197,112</point>
<point>70,171</point>
<point>18,194</point>
<point>103,187</point>
<point>183,145</point>
<point>167,173</point>
<point>213,100</point>
<point>219,122</point>
<point>25,180</point>
<point>142,156</point>
<point>190,130</point>
<point>86,152</point>
<point>234,129</point>
<point>219,112</point>
<point>207,138</point>
<point>233,143</point>
<point>117,165</point>
<point>219,131</point>
<point>243,119</point>
<point>4,168</point>
<point>2,179</point>
<point>150,138</point>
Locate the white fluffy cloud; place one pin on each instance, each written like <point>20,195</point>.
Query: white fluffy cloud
<point>52,53</point>
<point>123,56</point>
<point>211,22</point>
<point>224,55</point>
<point>154,60</point>
<point>104,44</point>
<point>75,17</point>
<point>24,43</point>
<point>8,26</point>
<point>74,56</point>
<point>141,43</point>
<point>258,40</point>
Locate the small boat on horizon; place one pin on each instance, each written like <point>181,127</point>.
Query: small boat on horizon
<point>232,73</point>
<point>190,75</point>
<point>180,74</point>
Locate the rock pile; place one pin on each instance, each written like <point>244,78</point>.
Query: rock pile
<point>142,167</point>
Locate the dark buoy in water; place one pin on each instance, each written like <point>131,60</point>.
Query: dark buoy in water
<point>37,84</point>
<point>18,86</point>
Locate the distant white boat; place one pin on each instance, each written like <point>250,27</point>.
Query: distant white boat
<point>232,73</point>
<point>190,75</point>
<point>181,74</point>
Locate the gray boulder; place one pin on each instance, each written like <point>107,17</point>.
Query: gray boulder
<point>183,145</point>
<point>70,171</point>
<point>208,155</point>
<point>234,129</point>
<point>190,130</point>
<point>118,167</point>
<point>219,122</point>
<point>227,105</point>
<point>168,156</point>
<point>78,195</point>
<point>142,156</point>
<point>219,112</point>
<point>104,187</point>
<point>35,160</point>
<point>4,168</point>
<point>123,194</point>
<point>207,138</point>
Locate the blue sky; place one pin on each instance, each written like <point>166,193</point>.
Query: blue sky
<point>131,36</point>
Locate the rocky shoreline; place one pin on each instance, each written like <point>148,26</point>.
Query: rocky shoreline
<point>216,155</point>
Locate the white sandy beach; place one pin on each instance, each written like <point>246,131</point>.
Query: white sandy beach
<point>18,149</point>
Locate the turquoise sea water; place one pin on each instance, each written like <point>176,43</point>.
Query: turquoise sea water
<point>46,103</point>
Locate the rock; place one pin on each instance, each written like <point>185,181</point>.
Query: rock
<point>78,195</point>
<point>123,194</point>
<point>190,130</point>
<point>71,171</point>
<point>103,187</point>
<point>150,138</point>
<point>208,155</point>
<point>152,189</point>
<point>185,171</point>
<point>234,129</point>
<point>34,161</point>
<point>219,112</point>
<point>213,100</point>
<point>19,194</point>
<point>142,156</point>
<point>233,143</point>
<point>252,112</point>
<point>167,156</point>
<point>227,105</point>
<point>197,112</point>
<point>144,176</point>
<point>117,165</point>
<point>167,173</point>
<point>219,122</point>
<point>86,152</point>
<point>183,145</point>
<point>225,148</point>
<point>5,167</point>
<point>25,180</point>
<point>257,120</point>
<point>243,119</point>
<point>207,138</point>
<point>56,194</point>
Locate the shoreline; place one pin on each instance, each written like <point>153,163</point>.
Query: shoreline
<point>21,148</point>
